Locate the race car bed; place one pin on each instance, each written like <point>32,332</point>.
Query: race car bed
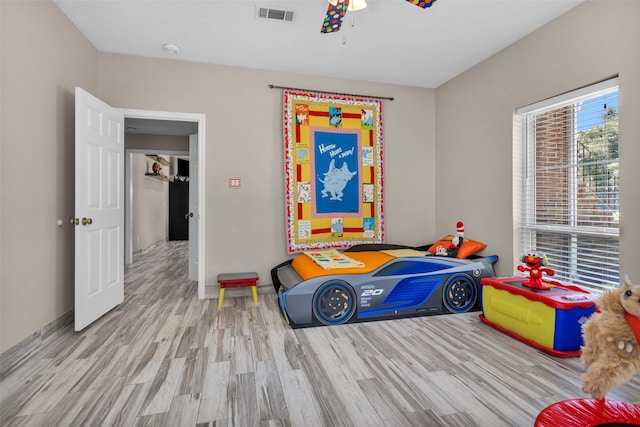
<point>377,282</point>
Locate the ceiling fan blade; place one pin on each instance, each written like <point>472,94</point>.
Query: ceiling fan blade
<point>333,19</point>
<point>422,3</point>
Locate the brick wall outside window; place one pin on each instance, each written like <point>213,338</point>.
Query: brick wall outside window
<point>553,133</point>
<point>553,136</point>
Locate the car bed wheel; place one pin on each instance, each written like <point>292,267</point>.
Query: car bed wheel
<point>459,294</point>
<point>334,303</point>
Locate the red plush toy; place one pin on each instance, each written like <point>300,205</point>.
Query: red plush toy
<point>535,266</point>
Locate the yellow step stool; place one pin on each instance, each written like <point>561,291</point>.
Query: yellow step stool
<point>233,280</point>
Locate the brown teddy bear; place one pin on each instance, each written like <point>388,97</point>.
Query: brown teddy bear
<point>611,351</point>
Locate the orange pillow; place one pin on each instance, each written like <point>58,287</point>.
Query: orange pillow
<point>468,248</point>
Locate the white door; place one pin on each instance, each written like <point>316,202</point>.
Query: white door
<point>194,211</point>
<point>99,213</point>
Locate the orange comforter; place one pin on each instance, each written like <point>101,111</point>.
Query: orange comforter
<point>307,269</point>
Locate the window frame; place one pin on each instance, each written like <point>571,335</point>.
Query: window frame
<point>525,197</point>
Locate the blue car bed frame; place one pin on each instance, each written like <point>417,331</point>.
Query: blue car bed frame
<point>397,281</point>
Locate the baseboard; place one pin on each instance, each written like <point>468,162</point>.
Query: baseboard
<point>265,288</point>
<point>15,356</point>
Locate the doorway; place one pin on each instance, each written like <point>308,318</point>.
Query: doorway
<point>148,205</point>
<point>167,123</point>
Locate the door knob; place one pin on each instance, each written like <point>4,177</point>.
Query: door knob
<point>188,215</point>
<point>87,221</point>
<point>75,221</point>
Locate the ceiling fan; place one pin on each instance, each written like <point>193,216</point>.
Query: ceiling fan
<point>338,8</point>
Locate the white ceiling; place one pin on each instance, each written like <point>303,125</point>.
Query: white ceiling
<point>390,41</point>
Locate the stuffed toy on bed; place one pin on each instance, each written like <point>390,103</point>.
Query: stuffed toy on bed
<point>457,246</point>
<point>611,351</point>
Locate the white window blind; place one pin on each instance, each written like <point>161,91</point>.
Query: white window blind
<point>570,202</point>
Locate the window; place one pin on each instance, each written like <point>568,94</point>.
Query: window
<point>569,203</point>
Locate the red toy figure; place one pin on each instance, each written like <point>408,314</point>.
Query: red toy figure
<point>534,265</point>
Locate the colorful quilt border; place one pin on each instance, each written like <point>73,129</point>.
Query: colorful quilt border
<point>333,170</point>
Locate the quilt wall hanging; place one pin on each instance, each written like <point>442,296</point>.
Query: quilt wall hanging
<point>333,168</point>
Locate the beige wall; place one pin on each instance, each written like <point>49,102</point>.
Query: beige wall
<point>245,228</point>
<point>466,176</point>
<point>153,143</point>
<point>474,121</point>
<point>43,58</point>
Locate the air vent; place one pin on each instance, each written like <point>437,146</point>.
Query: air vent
<point>273,14</point>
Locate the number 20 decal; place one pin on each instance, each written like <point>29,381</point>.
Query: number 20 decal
<point>371,292</point>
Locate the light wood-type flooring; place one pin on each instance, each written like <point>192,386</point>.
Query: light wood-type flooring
<point>165,358</point>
